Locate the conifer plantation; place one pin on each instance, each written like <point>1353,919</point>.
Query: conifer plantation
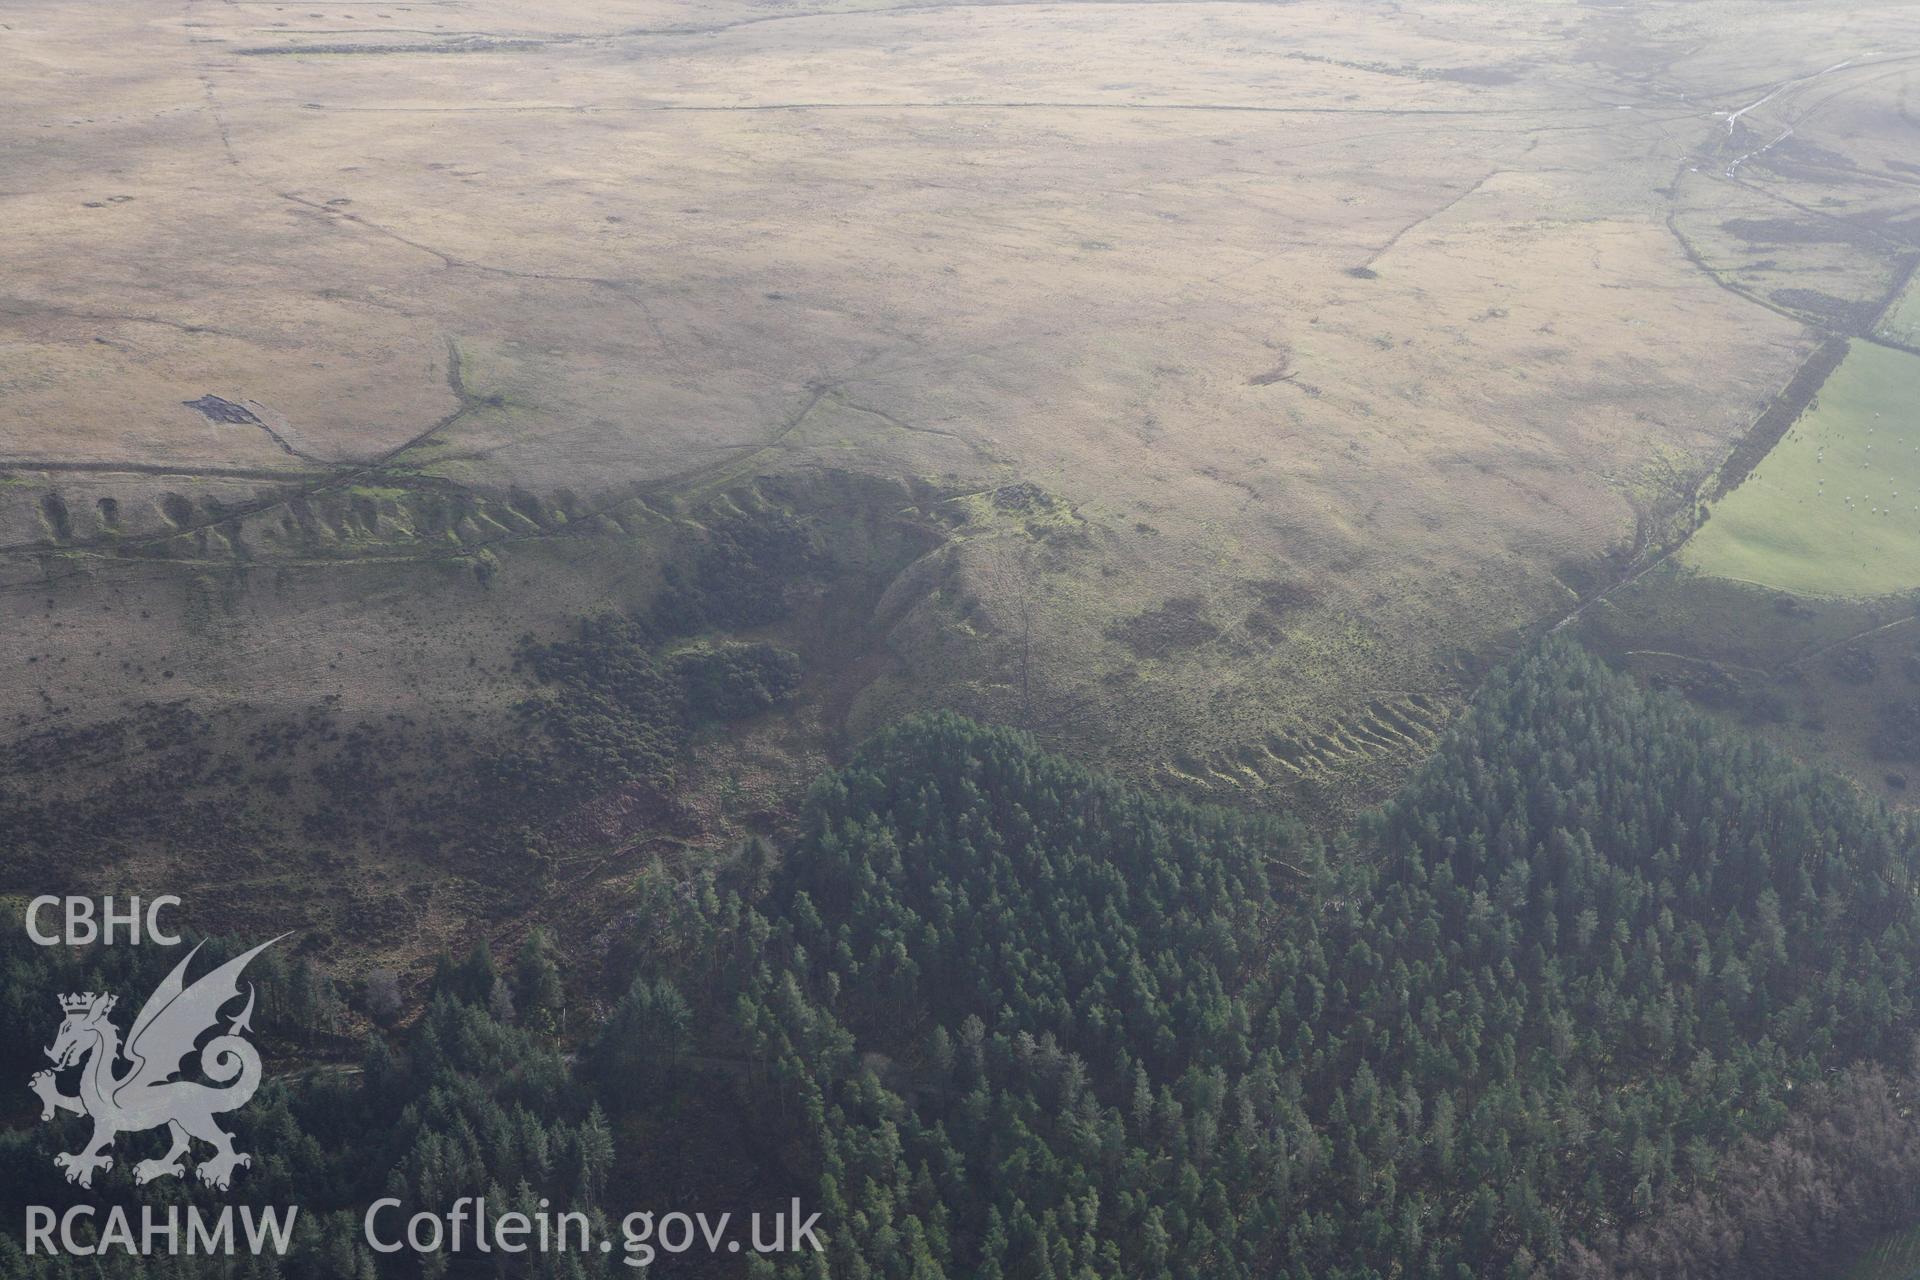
<point>1606,991</point>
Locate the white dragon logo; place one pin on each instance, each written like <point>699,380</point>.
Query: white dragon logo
<point>146,1096</point>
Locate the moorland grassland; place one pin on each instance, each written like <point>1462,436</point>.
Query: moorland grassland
<point>1214,388</point>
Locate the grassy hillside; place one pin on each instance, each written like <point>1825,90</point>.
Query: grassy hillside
<point>1834,509</point>
<point>343,348</point>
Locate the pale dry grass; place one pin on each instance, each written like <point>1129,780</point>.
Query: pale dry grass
<point>1384,302</point>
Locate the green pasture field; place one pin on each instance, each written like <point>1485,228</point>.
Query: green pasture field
<point>1834,509</point>
<point>1902,322</point>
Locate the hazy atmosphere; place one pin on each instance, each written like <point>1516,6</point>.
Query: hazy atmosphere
<point>1048,627</point>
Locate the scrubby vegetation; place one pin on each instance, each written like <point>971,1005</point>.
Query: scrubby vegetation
<point>734,681</point>
<point>607,716</point>
<point>613,712</point>
<point>612,706</point>
<point>618,700</point>
<point>743,575</point>
<point>1897,737</point>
